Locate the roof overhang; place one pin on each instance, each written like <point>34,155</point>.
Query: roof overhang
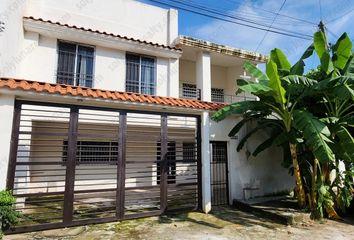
<point>202,45</point>
<point>58,93</point>
<point>95,37</point>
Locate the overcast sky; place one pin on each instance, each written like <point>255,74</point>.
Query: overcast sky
<point>336,14</point>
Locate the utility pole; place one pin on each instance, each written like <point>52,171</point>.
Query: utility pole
<point>322,28</point>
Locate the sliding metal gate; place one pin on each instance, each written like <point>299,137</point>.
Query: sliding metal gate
<point>219,174</point>
<point>73,165</point>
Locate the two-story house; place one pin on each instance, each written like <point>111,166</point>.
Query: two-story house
<point>105,115</point>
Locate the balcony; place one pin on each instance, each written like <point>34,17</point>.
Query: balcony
<point>190,91</point>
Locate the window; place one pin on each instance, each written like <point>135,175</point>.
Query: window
<point>217,95</point>
<point>140,74</point>
<point>93,152</point>
<point>75,64</point>
<point>189,151</point>
<point>190,91</point>
<point>171,162</point>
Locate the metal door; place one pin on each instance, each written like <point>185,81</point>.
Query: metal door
<point>219,174</point>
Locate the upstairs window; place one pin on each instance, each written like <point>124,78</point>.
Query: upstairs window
<point>75,64</point>
<point>140,74</point>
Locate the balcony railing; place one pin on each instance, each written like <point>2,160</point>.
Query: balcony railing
<point>190,93</point>
<point>231,98</point>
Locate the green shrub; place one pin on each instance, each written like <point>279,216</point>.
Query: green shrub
<point>8,215</point>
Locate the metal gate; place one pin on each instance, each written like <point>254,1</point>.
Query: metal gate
<point>219,174</point>
<point>74,165</point>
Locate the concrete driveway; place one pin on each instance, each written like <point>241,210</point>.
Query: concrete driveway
<point>222,224</point>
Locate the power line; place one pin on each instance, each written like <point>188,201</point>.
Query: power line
<point>213,11</point>
<point>239,14</point>
<point>342,16</point>
<point>265,34</point>
<point>236,20</point>
<point>282,15</point>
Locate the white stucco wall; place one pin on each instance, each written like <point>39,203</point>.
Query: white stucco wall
<point>6,116</point>
<point>33,56</point>
<point>11,54</point>
<point>265,168</point>
<point>126,17</point>
<point>187,72</point>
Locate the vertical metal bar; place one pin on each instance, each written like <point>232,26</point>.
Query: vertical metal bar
<point>70,166</point>
<point>227,174</point>
<point>199,161</point>
<point>163,164</point>
<point>75,83</point>
<point>120,197</point>
<point>13,147</point>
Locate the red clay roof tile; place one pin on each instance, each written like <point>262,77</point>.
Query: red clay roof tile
<point>62,89</point>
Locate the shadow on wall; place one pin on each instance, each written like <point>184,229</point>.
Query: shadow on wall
<point>263,174</point>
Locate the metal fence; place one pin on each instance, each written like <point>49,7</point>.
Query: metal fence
<point>74,165</point>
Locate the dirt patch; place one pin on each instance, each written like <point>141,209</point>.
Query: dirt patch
<point>221,224</point>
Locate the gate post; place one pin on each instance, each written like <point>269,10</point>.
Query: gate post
<point>163,164</point>
<point>13,147</point>
<point>120,196</point>
<point>205,159</point>
<point>70,166</point>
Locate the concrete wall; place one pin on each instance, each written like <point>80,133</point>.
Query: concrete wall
<point>109,65</point>
<point>126,17</point>
<point>34,56</point>
<point>6,116</point>
<point>265,170</point>
<point>11,39</point>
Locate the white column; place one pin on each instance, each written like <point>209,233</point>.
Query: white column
<point>206,178</point>
<point>6,116</point>
<point>173,75</point>
<point>172,27</point>
<point>203,72</point>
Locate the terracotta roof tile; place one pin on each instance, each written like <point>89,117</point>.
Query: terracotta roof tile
<point>105,33</point>
<point>62,89</point>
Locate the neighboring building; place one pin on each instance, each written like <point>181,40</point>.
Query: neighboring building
<point>105,115</point>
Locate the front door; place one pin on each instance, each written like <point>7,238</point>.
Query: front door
<point>219,174</point>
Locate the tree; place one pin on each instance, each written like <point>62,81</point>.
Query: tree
<point>275,108</point>
<point>334,95</point>
<point>283,93</point>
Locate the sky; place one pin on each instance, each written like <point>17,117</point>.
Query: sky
<point>336,15</point>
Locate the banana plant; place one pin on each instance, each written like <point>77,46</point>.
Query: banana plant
<point>277,110</point>
<point>334,95</point>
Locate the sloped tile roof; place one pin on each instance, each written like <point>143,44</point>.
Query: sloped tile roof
<point>105,33</point>
<point>61,89</point>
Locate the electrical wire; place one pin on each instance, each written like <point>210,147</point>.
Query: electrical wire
<point>340,17</point>
<point>236,20</point>
<point>238,16</point>
<point>282,15</point>
<point>265,34</point>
